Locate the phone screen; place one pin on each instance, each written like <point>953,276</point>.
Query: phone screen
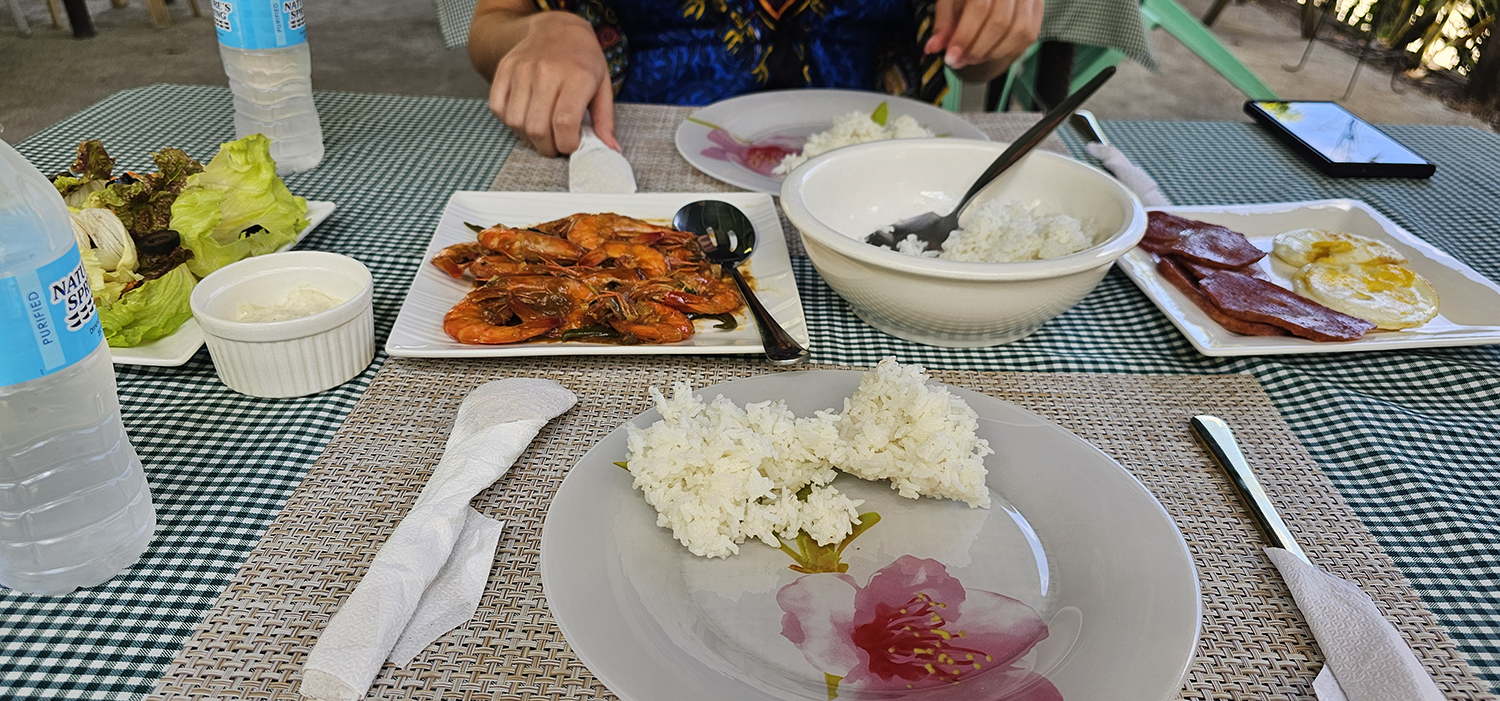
<point>1338,134</point>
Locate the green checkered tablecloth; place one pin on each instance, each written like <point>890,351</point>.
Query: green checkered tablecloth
<point>1114,24</point>
<point>220,464</point>
<point>1411,438</point>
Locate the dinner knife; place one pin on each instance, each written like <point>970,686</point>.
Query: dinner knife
<point>1219,440</point>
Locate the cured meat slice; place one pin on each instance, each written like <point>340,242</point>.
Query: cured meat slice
<point>1252,299</point>
<point>1164,227</point>
<point>1201,271</point>
<point>1174,273</point>
<point>1216,246</point>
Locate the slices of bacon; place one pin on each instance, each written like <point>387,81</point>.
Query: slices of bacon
<point>1204,262</point>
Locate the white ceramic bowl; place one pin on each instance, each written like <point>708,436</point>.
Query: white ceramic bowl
<point>294,357</point>
<point>837,199</point>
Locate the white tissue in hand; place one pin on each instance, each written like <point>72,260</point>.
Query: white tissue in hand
<point>595,167</point>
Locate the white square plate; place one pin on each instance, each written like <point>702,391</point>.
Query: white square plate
<point>418,332</point>
<point>179,347</point>
<point>1469,303</point>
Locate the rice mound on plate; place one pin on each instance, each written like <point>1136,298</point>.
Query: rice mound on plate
<point>853,128</point>
<point>922,438</point>
<point>1006,232</point>
<point>718,474</point>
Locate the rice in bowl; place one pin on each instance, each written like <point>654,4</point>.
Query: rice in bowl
<point>1008,232</point>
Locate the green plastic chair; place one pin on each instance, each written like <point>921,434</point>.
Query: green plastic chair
<point>1167,14</point>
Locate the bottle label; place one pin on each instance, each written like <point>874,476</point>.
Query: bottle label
<point>47,319</point>
<point>259,24</point>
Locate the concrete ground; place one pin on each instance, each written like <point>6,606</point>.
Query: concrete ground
<point>1186,88</point>
<point>393,46</point>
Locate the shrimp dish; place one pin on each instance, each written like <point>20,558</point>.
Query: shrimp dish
<point>601,278</point>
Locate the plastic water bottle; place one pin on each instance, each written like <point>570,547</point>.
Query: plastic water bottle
<point>264,47</point>
<point>74,505</point>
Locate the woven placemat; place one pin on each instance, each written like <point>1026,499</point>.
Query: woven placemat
<point>1255,644</point>
<point>648,137</point>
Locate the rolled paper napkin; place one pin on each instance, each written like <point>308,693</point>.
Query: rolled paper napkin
<point>1129,174</point>
<point>424,576</point>
<point>595,167</point>
<point>1367,659</point>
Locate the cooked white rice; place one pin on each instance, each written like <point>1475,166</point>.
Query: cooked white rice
<point>921,437</point>
<point>1004,232</point>
<point>718,474</point>
<point>850,129</point>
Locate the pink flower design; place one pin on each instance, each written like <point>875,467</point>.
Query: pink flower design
<point>914,627</point>
<point>760,156</point>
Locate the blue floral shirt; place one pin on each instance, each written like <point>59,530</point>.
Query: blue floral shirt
<point>694,52</point>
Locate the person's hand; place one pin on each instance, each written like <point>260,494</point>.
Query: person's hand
<point>543,86</point>
<point>974,32</point>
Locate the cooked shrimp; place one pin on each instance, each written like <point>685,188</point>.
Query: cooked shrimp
<point>692,291</point>
<point>593,230</point>
<point>456,258</point>
<point>536,296</point>
<point>484,316</point>
<point>650,321</point>
<point>627,255</point>
<point>529,246</point>
<point>486,267</point>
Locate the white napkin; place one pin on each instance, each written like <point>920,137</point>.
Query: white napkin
<point>595,167</point>
<point>1129,174</point>
<point>1367,660</point>
<point>428,576</point>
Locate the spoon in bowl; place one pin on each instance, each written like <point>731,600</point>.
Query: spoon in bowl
<point>727,237</point>
<point>932,229</point>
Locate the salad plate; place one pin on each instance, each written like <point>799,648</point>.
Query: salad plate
<point>738,140</point>
<point>418,332</point>
<point>178,347</point>
<point>1070,534</point>
<point>1468,302</point>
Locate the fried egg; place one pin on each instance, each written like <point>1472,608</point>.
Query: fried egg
<point>1303,246</point>
<point>1389,295</point>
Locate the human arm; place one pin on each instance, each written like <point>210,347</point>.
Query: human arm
<point>546,70</point>
<point>981,38</point>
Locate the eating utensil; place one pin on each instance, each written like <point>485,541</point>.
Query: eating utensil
<point>1220,443</point>
<point>1366,657</point>
<point>933,229</point>
<point>727,237</point>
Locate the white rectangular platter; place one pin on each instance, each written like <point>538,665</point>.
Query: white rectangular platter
<point>418,332</point>
<point>1469,303</point>
<point>179,347</point>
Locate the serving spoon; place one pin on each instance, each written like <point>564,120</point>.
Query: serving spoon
<point>727,237</point>
<point>933,229</point>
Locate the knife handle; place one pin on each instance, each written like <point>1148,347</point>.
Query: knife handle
<point>1219,440</point>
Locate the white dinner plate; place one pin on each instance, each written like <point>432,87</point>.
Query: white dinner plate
<point>788,117</point>
<point>418,332</point>
<point>1071,534</point>
<point>1468,302</point>
<point>178,347</point>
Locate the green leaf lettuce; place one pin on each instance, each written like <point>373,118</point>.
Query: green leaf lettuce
<point>238,189</point>
<point>152,311</point>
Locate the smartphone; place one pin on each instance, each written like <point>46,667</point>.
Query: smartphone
<point>1338,143</point>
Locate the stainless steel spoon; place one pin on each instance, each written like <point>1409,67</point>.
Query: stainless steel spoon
<point>933,229</point>
<point>727,238</point>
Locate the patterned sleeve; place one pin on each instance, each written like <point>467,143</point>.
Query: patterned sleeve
<point>906,71</point>
<point>601,14</point>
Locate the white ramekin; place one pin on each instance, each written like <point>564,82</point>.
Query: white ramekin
<point>294,357</point>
